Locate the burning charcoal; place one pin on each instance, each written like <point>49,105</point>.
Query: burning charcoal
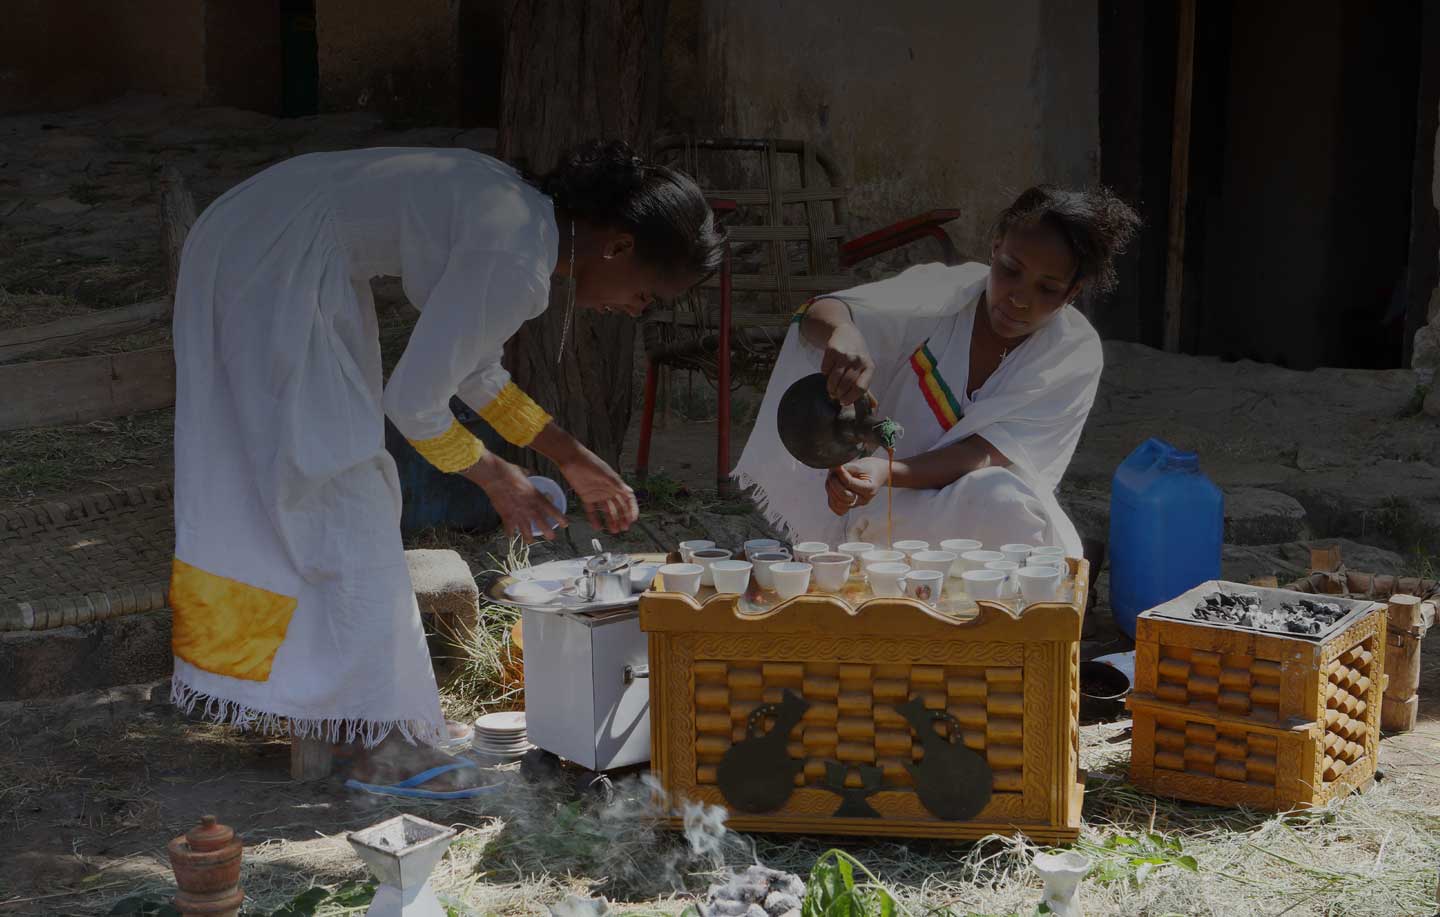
<point>781,903</point>
<point>756,892</point>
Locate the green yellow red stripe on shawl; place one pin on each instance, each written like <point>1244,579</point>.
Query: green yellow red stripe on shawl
<point>937,394</point>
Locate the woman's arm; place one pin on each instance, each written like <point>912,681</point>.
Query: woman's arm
<point>857,483</point>
<point>847,364</point>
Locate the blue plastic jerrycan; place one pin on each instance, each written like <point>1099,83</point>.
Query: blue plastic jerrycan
<point>1167,529</point>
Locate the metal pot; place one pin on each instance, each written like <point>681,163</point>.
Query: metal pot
<point>606,578</point>
<point>818,431</point>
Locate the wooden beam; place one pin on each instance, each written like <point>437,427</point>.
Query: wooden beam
<point>82,389</point>
<point>97,326</point>
<point>1179,174</point>
<point>177,215</point>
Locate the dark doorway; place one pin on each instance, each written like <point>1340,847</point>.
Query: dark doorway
<point>1302,151</point>
<point>300,92</point>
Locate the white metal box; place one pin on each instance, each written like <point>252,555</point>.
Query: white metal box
<point>587,686</point>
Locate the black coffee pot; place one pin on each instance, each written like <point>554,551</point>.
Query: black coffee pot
<point>820,432</point>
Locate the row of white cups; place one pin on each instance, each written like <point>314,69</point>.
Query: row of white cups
<point>910,568</point>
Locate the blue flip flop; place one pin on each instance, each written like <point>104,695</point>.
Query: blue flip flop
<point>409,788</point>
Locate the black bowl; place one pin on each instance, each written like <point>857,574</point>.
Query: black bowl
<point>1102,691</point>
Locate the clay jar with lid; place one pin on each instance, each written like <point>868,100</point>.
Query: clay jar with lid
<point>206,861</point>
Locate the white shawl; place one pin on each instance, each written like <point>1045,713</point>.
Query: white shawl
<point>1032,409</point>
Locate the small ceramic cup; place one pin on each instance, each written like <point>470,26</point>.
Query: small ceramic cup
<point>940,561</point>
<point>976,560</point>
<point>756,545</point>
<point>763,561</point>
<point>985,584</point>
<point>791,579</point>
<point>808,549</point>
<point>705,557</point>
<point>871,558</point>
<point>960,547</point>
<point>1016,552</point>
<point>887,578</point>
<point>910,547</point>
<point>688,549</point>
<point>1048,550</point>
<point>925,585</point>
<point>1039,584</point>
<point>732,577</point>
<point>831,570</point>
<point>1049,560</point>
<point>1007,567</point>
<point>684,578</point>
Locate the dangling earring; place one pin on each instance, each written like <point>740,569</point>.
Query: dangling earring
<point>570,307</point>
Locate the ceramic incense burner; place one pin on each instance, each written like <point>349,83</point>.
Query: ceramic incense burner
<point>206,862</point>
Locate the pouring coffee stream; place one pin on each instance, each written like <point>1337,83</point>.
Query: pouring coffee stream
<point>822,433</point>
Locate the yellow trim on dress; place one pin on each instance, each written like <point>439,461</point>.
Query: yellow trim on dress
<point>515,416</point>
<point>224,626</point>
<point>454,450</point>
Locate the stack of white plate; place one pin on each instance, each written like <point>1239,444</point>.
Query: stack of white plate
<point>501,736</point>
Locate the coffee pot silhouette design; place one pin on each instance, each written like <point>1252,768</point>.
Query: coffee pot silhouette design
<point>952,781</point>
<point>757,774</point>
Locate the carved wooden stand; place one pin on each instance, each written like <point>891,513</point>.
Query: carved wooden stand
<point>1270,721</point>
<point>1006,687</point>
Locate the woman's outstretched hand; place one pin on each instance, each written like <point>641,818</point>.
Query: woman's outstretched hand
<point>604,494</point>
<point>855,484</point>
<point>847,365</point>
<point>522,508</point>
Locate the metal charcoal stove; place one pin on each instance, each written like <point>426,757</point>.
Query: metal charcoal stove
<point>1257,696</point>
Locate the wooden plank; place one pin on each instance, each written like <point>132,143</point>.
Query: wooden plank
<point>177,215</point>
<point>1179,173</point>
<point>98,326</point>
<point>82,389</point>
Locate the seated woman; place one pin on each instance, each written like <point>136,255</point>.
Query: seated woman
<point>991,371</point>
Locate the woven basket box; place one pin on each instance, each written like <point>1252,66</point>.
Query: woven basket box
<point>862,687</point>
<point>1231,716</point>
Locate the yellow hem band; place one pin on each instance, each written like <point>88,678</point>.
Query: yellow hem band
<point>515,416</point>
<point>454,450</point>
<point>224,626</point>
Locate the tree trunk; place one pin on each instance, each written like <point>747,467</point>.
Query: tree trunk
<point>576,70</point>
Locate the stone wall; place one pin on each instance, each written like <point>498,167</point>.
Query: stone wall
<point>924,105</point>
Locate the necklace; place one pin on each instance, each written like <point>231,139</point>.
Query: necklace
<point>570,306</point>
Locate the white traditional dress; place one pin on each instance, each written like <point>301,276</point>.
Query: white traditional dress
<point>293,608</point>
<point>918,327</point>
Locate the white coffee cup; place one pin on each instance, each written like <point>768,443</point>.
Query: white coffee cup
<point>791,579</point>
<point>960,547</point>
<point>940,561</point>
<point>984,584</point>
<point>1049,560</point>
<point>756,545</point>
<point>552,492</point>
<point>688,549</point>
<point>705,557</point>
<point>807,549</point>
<point>925,585</point>
<point>887,578</point>
<point>1007,567</point>
<point>732,577</point>
<point>763,561</point>
<point>1039,584</point>
<point>856,549</point>
<point>871,558</point>
<point>684,578</point>
<point>911,546</point>
<point>1016,552</point>
<point>1049,550</point>
<point>976,560</point>
<point>831,570</point>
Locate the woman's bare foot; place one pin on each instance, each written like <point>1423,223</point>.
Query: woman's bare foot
<point>395,759</point>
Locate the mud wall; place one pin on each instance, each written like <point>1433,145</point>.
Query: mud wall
<point>923,104</point>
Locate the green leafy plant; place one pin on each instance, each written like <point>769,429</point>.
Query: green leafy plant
<point>833,891</point>
<point>1123,858</point>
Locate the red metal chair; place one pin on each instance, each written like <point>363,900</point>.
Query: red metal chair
<point>787,207</point>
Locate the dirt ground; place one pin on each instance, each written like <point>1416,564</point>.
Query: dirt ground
<point>92,787</point>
